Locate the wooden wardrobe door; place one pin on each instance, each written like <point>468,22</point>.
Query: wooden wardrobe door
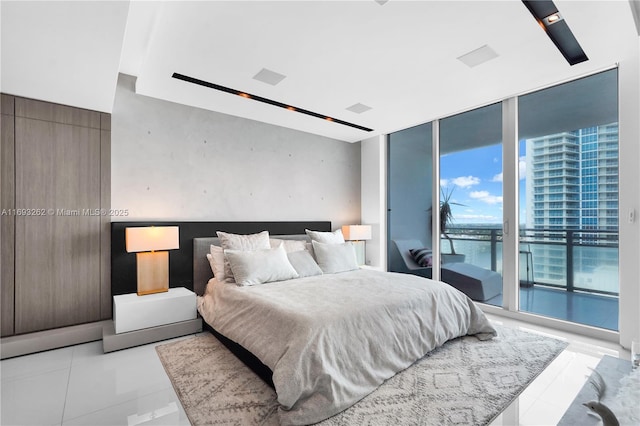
<point>7,220</point>
<point>57,270</point>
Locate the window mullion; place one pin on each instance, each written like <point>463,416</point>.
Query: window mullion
<point>510,182</point>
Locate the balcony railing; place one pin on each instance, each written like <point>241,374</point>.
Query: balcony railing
<point>574,260</point>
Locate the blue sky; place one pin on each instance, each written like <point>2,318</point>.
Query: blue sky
<point>475,176</point>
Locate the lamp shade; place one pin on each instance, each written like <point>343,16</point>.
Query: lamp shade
<point>151,238</point>
<point>356,232</point>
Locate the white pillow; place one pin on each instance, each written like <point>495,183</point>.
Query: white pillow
<point>303,263</point>
<point>241,242</point>
<point>216,261</point>
<point>334,258</point>
<point>334,237</point>
<point>289,245</point>
<point>260,266</point>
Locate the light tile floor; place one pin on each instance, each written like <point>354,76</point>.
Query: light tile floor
<point>80,385</point>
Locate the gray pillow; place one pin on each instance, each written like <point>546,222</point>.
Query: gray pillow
<point>303,263</point>
<point>334,258</point>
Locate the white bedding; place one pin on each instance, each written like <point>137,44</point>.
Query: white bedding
<point>332,339</point>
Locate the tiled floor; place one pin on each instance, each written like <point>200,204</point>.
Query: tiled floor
<point>82,386</point>
<point>583,308</point>
<point>546,399</point>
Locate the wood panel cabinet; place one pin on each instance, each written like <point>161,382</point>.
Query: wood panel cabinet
<point>59,248</point>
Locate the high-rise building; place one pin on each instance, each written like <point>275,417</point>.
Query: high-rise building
<point>571,189</point>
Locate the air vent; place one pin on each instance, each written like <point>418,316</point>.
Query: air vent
<point>358,108</point>
<point>266,101</point>
<point>269,77</point>
<point>478,56</point>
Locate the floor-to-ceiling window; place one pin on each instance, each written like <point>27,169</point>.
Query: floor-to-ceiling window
<point>567,191</point>
<point>471,189</point>
<point>569,200</point>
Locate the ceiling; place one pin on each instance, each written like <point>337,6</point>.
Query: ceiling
<point>398,58</point>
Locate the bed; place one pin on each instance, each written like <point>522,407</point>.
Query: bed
<point>331,339</point>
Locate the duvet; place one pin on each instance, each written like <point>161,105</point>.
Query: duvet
<point>332,339</point>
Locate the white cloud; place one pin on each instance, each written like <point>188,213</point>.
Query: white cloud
<point>465,181</point>
<point>444,183</point>
<point>522,171</point>
<point>485,197</point>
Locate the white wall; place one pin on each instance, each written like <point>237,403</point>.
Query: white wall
<point>629,125</point>
<point>174,162</point>
<point>374,202</point>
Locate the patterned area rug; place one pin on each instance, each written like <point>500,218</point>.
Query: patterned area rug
<point>464,382</point>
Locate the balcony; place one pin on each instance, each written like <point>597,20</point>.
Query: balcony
<point>566,274</point>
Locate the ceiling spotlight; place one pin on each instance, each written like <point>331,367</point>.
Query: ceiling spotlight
<point>547,15</point>
<point>551,19</point>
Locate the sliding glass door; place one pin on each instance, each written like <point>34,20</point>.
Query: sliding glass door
<point>562,163</point>
<point>471,202</point>
<point>410,184</point>
<point>569,201</point>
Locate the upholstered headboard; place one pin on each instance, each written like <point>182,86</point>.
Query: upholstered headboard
<point>201,268</point>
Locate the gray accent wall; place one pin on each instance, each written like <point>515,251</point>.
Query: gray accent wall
<point>175,162</point>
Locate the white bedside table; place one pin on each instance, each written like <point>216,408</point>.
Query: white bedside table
<point>138,320</point>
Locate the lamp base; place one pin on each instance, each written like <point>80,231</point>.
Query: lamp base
<point>153,272</point>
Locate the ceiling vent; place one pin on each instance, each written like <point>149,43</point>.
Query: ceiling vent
<point>358,108</point>
<point>269,77</point>
<point>478,56</point>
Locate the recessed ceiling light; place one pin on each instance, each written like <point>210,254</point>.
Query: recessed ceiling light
<point>358,108</point>
<point>269,77</point>
<point>478,56</point>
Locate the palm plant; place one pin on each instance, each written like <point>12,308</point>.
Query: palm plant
<point>446,215</point>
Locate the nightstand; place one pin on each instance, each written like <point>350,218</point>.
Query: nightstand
<point>138,320</point>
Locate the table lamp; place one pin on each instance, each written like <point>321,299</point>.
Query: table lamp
<point>357,234</point>
<point>150,244</point>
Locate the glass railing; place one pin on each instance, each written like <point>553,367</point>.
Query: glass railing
<point>572,260</point>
